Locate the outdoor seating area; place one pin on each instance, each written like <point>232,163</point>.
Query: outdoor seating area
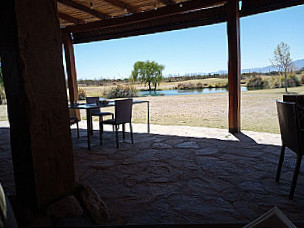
<point>122,115</point>
<point>195,175</point>
<point>51,161</point>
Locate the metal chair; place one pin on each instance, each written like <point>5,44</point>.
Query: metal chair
<point>292,137</point>
<point>123,115</point>
<point>96,111</point>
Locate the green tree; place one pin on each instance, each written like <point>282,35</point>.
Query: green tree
<point>147,72</point>
<point>282,61</point>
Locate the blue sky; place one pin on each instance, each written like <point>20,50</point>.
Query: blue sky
<point>195,50</point>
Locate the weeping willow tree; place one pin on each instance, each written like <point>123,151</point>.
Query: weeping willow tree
<point>149,73</point>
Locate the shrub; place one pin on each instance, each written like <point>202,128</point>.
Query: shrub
<point>184,86</point>
<point>256,82</point>
<point>82,94</point>
<point>302,78</point>
<point>274,82</point>
<point>220,85</point>
<point>279,82</point>
<point>199,85</point>
<point>122,91</point>
<point>2,95</point>
<point>292,81</point>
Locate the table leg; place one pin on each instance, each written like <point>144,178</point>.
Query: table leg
<point>89,127</point>
<point>148,107</point>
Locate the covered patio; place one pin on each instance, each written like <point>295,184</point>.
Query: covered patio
<point>207,177</point>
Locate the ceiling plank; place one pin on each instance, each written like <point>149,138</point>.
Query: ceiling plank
<point>167,2</point>
<point>250,7</point>
<point>71,19</point>
<point>123,5</point>
<point>83,8</point>
<point>187,20</point>
<point>146,16</point>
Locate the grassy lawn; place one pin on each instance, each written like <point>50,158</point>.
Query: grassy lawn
<point>258,109</point>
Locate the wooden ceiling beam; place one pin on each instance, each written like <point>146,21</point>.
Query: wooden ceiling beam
<point>83,8</point>
<point>71,19</point>
<point>187,20</point>
<point>146,16</point>
<point>123,5</point>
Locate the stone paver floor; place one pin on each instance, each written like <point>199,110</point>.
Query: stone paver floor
<point>182,175</point>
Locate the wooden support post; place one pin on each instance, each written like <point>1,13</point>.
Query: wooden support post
<point>234,65</point>
<point>70,67</point>
<point>71,72</point>
<point>31,54</point>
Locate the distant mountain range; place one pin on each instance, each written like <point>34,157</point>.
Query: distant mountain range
<point>298,64</point>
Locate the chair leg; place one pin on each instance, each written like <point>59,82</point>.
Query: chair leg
<point>100,132</point>
<point>112,119</point>
<point>131,131</point>
<point>123,131</point>
<point>280,163</point>
<point>77,129</point>
<point>295,177</point>
<point>92,125</point>
<point>116,131</point>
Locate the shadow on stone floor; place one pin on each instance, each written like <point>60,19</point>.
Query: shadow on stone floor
<point>174,179</point>
<point>178,180</point>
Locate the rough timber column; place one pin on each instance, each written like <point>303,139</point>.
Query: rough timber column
<point>70,65</point>
<point>71,72</point>
<point>31,51</point>
<point>234,66</point>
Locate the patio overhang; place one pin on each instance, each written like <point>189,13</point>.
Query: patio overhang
<point>176,15</point>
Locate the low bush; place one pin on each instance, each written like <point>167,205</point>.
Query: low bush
<point>274,82</point>
<point>185,86</point>
<point>199,85</point>
<point>220,85</point>
<point>82,94</point>
<point>292,81</point>
<point>122,91</point>
<point>302,78</point>
<point>256,82</point>
<point>2,95</point>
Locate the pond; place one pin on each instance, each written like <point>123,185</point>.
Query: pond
<point>172,92</point>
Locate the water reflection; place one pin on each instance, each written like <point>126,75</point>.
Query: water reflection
<point>173,92</point>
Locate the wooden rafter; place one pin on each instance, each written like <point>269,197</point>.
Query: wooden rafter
<point>83,8</point>
<point>145,16</point>
<point>71,19</point>
<point>123,5</point>
<point>191,19</point>
<point>167,2</point>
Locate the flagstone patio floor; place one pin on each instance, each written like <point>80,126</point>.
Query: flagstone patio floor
<point>181,175</point>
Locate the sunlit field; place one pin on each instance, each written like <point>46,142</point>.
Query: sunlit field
<point>258,109</point>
